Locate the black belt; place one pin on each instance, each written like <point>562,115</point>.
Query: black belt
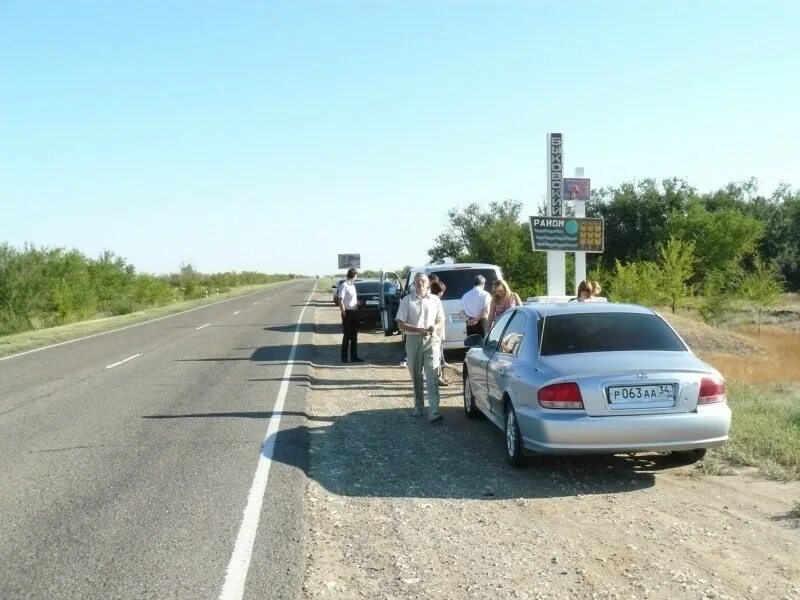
<point>350,309</point>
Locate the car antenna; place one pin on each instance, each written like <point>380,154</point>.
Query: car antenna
<point>544,320</point>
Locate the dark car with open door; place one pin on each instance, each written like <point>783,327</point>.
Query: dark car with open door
<point>389,301</point>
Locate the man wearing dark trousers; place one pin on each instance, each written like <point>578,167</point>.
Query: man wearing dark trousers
<point>348,304</point>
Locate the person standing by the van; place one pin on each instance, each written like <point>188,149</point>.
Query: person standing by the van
<point>503,299</point>
<point>475,307</point>
<point>348,304</point>
<point>437,289</point>
<point>421,317</point>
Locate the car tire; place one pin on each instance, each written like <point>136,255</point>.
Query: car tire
<point>689,456</point>
<point>514,454</point>
<point>470,409</point>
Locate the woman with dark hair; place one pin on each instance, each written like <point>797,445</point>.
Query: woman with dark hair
<point>437,289</point>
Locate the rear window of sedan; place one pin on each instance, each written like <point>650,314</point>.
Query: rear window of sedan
<point>606,332</point>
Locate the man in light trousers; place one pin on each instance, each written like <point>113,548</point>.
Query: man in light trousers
<point>421,317</point>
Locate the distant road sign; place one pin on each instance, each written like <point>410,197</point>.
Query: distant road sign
<point>577,188</point>
<point>568,234</point>
<point>346,261</point>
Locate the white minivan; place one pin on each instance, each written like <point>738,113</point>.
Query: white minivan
<point>458,279</point>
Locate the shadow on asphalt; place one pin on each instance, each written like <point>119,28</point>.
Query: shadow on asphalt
<point>390,453</point>
<point>376,354</point>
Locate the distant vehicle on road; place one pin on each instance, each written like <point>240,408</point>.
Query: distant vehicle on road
<point>586,378</point>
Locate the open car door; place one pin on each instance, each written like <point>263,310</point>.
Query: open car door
<point>389,301</point>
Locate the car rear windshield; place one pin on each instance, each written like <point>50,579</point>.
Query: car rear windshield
<point>606,332</point>
<point>459,282</point>
<point>367,287</point>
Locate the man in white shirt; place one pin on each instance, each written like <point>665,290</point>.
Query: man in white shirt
<point>348,304</point>
<point>421,317</point>
<point>475,307</point>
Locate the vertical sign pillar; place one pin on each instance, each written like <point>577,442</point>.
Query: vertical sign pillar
<point>580,257</point>
<point>556,260</point>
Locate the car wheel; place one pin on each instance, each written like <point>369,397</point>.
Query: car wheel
<point>469,400</point>
<point>689,456</point>
<point>514,454</point>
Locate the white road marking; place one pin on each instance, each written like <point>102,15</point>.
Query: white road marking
<point>235,575</point>
<point>237,312</point>
<point>86,337</point>
<point>202,326</point>
<point>123,361</point>
<point>254,303</point>
<point>266,298</point>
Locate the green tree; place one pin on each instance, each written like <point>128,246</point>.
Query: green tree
<point>719,287</point>
<point>497,236</point>
<point>636,282</point>
<point>761,288</point>
<point>676,266</point>
<point>635,216</point>
<point>721,238</point>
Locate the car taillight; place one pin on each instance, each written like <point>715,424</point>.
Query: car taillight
<point>711,391</point>
<point>560,395</point>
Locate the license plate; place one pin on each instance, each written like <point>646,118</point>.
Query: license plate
<point>375,302</point>
<point>625,394</point>
<point>457,317</point>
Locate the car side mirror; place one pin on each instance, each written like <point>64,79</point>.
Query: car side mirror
<point>473,341</point>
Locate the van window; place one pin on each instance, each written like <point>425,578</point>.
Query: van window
<point>459,282</point>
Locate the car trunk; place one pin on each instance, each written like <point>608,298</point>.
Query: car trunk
<point>622,383</point>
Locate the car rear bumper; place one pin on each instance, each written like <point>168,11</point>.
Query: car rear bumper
<point>551,432</point>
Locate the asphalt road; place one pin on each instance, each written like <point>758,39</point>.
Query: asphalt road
<point>132,481</point>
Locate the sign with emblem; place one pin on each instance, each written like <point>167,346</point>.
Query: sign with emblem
<point>567,234</point>
<point>577,188</point>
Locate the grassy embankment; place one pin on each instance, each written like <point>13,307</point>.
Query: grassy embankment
<point>20,342</point>
<point>764,395</point>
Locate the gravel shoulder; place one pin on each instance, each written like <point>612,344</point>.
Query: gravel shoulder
<point>399,508</point>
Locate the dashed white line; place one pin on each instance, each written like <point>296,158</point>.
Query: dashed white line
<point>237,312</point>
<point>233,588</point>
<point>202,326</point>
<point>254,303</point>
<point>94,335</point>
<point>122,361</point>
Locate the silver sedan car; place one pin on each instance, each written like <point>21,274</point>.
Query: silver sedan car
<point>587,378</point>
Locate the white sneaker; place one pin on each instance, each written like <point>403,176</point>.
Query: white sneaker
<point>404,363</point>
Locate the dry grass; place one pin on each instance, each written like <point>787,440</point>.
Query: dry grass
<point>779,359</point>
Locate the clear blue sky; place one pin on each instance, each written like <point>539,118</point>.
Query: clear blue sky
<point>272,136</point>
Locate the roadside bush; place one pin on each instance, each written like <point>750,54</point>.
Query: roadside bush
<point>636,282</point>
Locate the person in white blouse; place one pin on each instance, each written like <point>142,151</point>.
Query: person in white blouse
<point>421,317</point>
